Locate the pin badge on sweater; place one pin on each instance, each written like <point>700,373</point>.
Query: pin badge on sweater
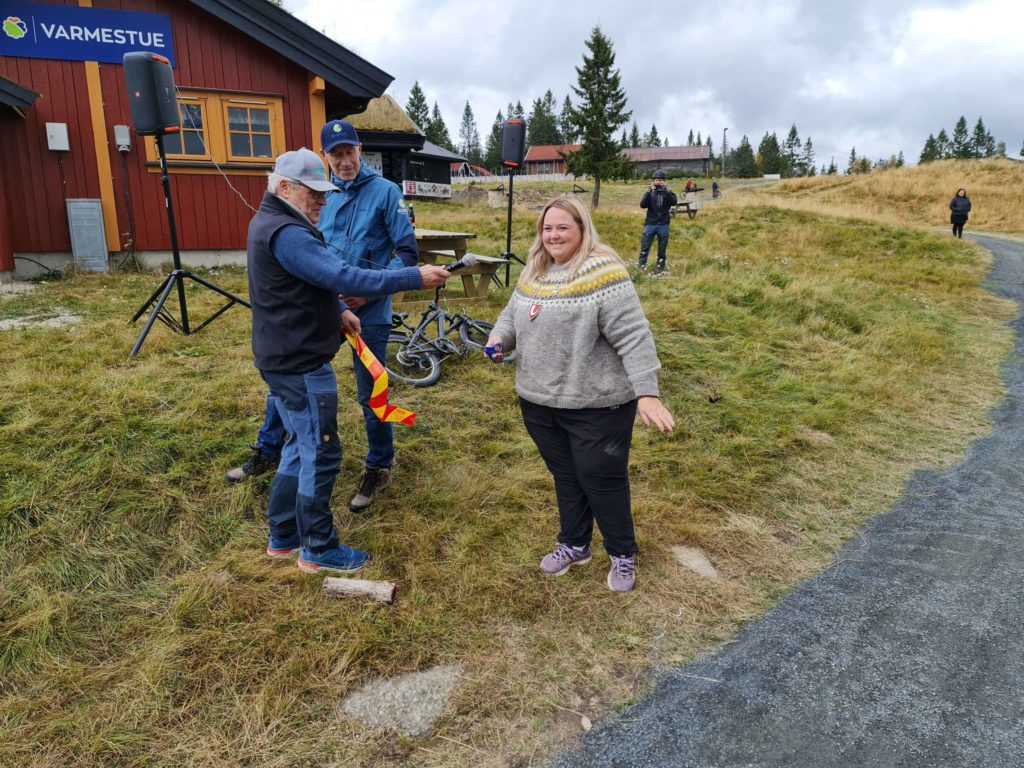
<point>534,311</point>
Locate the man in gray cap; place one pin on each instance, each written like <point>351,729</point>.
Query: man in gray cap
<point>297,325</point>
<point>658,200</point>
<point>367,221</point>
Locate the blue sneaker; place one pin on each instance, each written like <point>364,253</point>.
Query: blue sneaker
<point>283,547</point>
<point>343,559</point>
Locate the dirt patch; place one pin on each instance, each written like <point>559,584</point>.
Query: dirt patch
<point>62,320</point>
<point>15,289</point>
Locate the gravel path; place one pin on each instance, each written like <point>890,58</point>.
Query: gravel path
<point>907,653</point>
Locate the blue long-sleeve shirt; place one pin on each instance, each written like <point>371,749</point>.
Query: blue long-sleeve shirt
<point>304,256</point>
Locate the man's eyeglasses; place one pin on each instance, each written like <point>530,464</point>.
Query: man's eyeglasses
<point>316,194</point>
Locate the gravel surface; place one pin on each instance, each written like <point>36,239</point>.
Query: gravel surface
<point>907,653</point>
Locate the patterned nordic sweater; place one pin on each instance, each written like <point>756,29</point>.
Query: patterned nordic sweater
<point>588,344</point>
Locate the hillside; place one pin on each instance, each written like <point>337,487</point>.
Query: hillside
<point>917,197</point>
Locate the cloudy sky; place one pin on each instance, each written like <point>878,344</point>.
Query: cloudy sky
<point>878,75</point>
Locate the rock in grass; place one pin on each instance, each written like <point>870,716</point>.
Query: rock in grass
<point>409,703</point>
<point>694,559</point>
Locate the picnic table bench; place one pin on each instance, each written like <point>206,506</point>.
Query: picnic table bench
<point>440,247</point>
<point>689,203</point>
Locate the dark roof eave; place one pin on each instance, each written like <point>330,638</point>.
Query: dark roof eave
<point>16,96</point>
<point>297,41</point>
<point>373,140</point>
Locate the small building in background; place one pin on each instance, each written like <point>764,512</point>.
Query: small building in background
<point>549,158</point>
<point>389,136</point>
<point>467,170</point>
<point>691,159</point>
<point>430,172</point>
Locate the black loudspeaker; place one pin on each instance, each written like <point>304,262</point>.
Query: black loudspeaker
<point>513,143</point>
<point>151,94</point>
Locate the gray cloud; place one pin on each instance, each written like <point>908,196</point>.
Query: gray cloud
<point>875,74</point>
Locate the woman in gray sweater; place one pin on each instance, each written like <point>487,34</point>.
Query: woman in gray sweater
<point>586,365</point>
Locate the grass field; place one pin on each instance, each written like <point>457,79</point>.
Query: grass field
<point>812,363</point>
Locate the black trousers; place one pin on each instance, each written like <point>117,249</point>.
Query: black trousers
<point>587,452</point>
<point>958,230</point>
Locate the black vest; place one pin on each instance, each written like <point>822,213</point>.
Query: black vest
<point>296,327</point>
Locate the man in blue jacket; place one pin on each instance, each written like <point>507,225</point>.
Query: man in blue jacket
<point>658,200</point>
<point>367,221</point>
<point>294,283</point>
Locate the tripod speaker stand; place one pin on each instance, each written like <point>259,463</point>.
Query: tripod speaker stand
<point>152,98</point>
<point>513,147</point>
<point>176,279</point>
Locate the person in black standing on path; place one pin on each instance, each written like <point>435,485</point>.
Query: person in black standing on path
<point>658,200</point>
<point>959,207</point>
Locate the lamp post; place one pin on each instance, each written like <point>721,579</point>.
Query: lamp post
<point>723,150</point>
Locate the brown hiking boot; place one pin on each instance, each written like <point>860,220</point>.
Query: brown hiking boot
<point>374,480</point>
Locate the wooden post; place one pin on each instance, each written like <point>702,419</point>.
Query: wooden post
<point>381,591</point>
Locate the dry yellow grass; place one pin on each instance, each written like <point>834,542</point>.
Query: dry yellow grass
<point>916,197</point>
<point>812,363</point>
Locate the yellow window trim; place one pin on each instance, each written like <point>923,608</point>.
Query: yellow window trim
<point>216,132</point>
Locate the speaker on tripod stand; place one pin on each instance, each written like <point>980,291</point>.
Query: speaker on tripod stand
<point>154,107</point>
<point>513,149</point>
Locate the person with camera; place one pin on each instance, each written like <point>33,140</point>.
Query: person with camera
<point>658,200</point>
<point>297,327</point>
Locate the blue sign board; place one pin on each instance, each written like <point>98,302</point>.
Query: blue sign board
<point>74,33</point>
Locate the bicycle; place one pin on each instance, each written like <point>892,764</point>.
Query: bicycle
<point>415,358</point>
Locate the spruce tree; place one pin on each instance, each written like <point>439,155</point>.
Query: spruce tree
<point>416,107</point>
<point>601,112</point>
<point>699,139</point>
<point>652,139</point>
<point>492,148</point>
<point>689,139</point>
<point>852,162</point>
<point>437,131</point>
<point>769,154</point>
<point>983,143</point>
<point>542,124</point>
<point>942,145</point>
<point>741,162</point>
<point>565,124</point>
<point>960,145</point>
<point>930,151</point>
<point>469,137</point>
<point>791,153</point>
<point>634,137</point>
<point>832,169</point>
<point>807,167</point>
<point>624,140</point>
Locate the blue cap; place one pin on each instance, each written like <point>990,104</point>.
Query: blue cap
<point>338,132</point>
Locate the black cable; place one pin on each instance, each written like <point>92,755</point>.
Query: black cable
<point>48,270</point>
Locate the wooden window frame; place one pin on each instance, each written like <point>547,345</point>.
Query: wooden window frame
<point>217,134</point>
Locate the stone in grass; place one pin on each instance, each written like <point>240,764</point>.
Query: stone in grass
<point>409,703</point>
<point>694,559</point>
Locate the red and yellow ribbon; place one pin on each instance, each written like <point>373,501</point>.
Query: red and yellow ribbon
<point>379,396</point>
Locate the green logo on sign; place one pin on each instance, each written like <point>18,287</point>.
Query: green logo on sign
<point>15,27</point>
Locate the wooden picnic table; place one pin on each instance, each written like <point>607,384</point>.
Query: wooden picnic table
<point>440,247</point>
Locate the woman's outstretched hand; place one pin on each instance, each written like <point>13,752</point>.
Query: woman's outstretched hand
<point>493,349</point>
<point>653,412</point>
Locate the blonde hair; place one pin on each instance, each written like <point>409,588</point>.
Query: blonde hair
<point>539,260</point>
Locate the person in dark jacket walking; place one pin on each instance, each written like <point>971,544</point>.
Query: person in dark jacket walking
<point>658,200</point>
<point>297,325</point>
<point>959,207</point>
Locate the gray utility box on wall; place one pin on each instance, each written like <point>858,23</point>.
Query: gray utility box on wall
<point>88,238</point>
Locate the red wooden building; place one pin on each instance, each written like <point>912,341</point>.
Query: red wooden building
<point>253,82</point>
<point>549,158</point>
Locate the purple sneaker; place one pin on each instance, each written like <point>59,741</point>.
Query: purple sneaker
<point>563,558</point>
<point>622,575</point>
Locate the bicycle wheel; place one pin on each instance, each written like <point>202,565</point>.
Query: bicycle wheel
<point>414,364</point>
<point>474,334</point>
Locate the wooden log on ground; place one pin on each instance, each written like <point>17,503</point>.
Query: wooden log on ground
<point>381,591</point>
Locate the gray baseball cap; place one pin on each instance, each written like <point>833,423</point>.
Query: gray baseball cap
<point>305,167</point>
